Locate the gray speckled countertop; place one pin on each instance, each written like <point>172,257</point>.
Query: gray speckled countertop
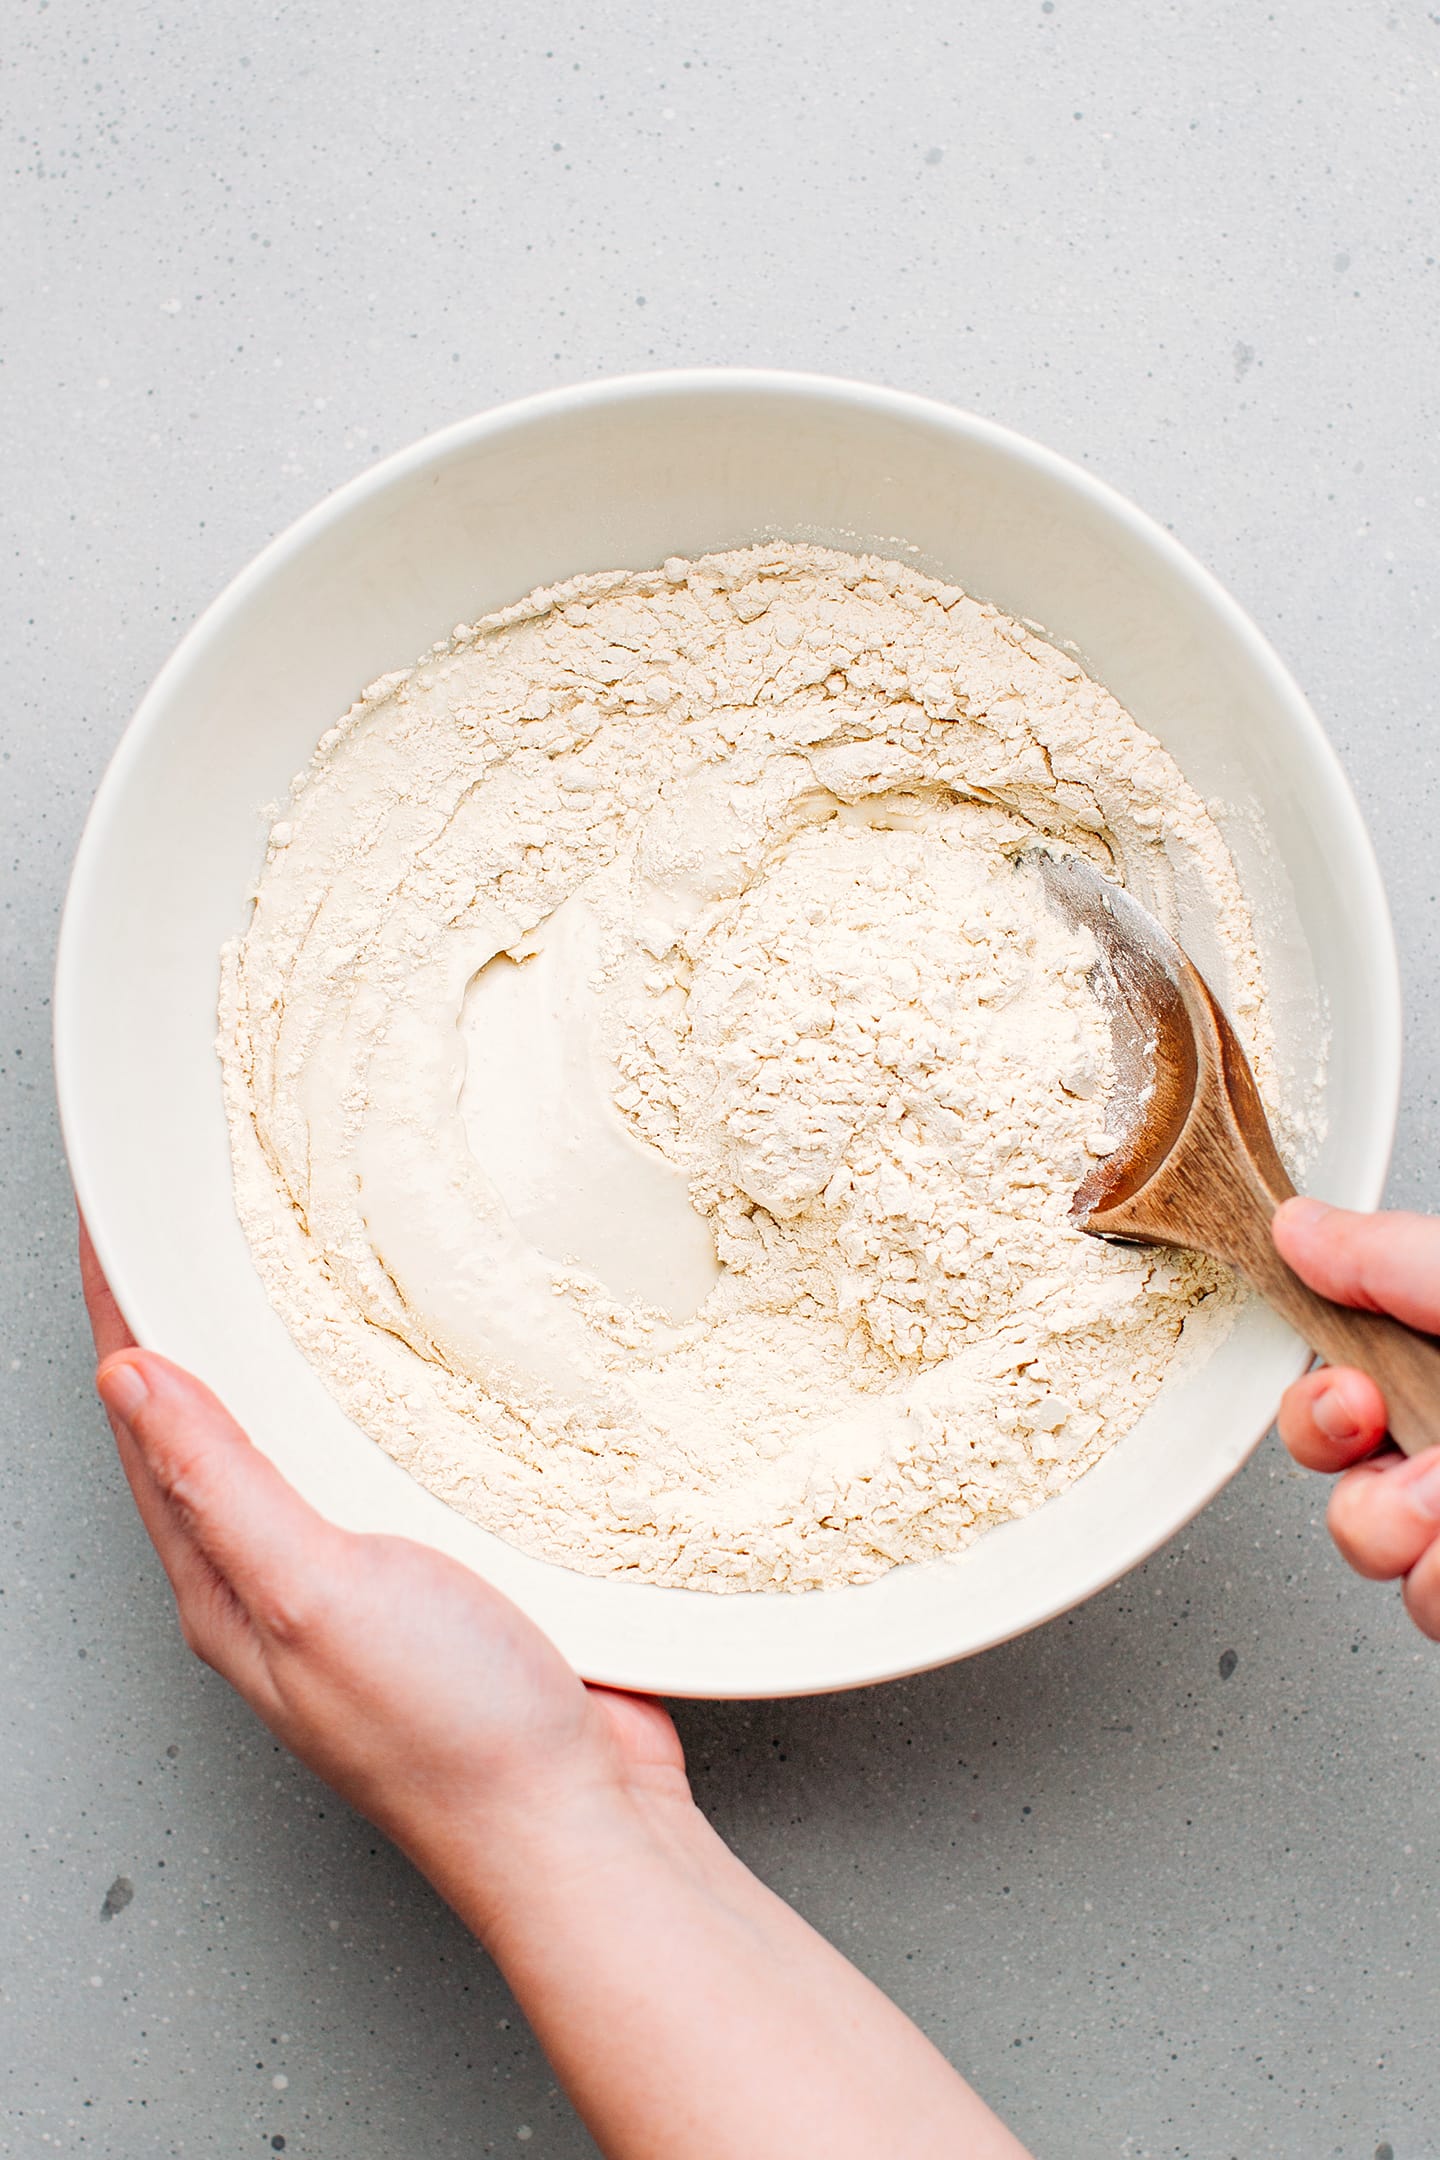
<point>1163,1876</point>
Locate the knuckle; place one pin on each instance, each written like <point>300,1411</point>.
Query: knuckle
<point>183,1487</point>
<point>197,1637</point>
<point>288,1614</point>
<point>1372,1523</point>
<point>1351,1525</point>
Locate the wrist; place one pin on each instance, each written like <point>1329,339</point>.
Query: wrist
<point>587,1877</point>
<point>511,1865</point>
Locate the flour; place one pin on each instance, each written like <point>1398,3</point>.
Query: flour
<point>657,1084</point>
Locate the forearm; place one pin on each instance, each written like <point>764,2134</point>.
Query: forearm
<point>693,2016</point>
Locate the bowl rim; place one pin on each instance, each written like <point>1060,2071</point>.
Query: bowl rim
<point>1366,896</point>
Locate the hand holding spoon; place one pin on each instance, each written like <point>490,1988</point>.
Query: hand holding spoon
<point>1196,1165</point>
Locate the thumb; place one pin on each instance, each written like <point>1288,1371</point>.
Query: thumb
<point>1379,1263</point>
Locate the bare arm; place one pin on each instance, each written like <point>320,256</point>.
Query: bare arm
<point>690,2013</point>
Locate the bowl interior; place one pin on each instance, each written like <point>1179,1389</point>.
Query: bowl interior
<point>625,474</point>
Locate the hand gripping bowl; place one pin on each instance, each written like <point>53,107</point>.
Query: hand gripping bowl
<point>625,473</point>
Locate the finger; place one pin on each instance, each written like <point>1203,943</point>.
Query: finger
<point>172,1540</point>
<point>1332,1418</point>
<point>251,1526</point>
<point>179,1555</point>
<point>107,1322</point>
<point>1380,1263</point>
<point>1385,1516</point>
<point>1422,1592</point>
<point>212,1619</point>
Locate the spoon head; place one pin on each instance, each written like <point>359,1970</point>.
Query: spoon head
<point>1137,977</point>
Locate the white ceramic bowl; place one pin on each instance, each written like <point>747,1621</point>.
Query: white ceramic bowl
<point>625,473</point>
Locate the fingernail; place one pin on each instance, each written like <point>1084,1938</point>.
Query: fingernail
<point>1333,1415</point>
<point>1308,1212</point>
<point>1425,1485</point>
<point>122,1389</point>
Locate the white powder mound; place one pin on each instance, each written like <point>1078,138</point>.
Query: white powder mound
<point>657,1086</point>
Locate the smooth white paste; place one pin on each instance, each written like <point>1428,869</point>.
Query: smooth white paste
<point>656,1089</point>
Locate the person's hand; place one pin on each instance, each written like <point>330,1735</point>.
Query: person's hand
<point>407,1683</point>
<point>1384,1515</point>
<point>686,2009</point>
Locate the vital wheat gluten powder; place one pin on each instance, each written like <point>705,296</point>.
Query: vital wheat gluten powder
<point>657,1087</point>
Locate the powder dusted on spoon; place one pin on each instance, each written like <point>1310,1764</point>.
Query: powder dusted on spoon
<point>656,1093</point>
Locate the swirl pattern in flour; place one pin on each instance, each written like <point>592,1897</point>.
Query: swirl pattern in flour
<point>656,1090</point>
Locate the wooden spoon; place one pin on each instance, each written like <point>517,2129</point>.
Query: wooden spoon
<point>1196,1165</point>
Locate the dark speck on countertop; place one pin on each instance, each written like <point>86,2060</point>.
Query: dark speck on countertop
<point>117,1897</point>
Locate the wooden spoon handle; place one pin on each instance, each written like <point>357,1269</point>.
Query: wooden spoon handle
<point>1404,1364</point>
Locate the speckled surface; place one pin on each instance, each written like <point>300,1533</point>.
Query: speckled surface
<point>1162,1878</point>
